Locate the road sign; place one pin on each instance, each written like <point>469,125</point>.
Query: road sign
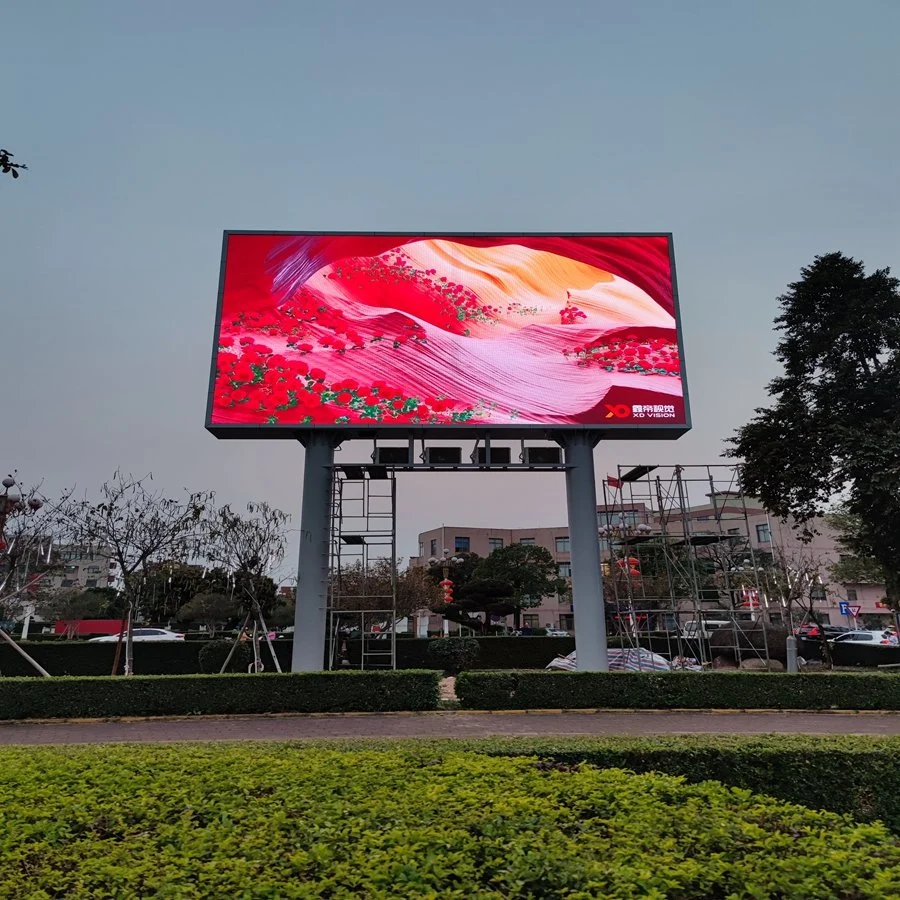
<point>854,611</point>
<point>844,608</point>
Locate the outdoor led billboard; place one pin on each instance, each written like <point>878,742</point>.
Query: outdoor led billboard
<point>447,334</point>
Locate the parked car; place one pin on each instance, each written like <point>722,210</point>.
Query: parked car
<point>705,628</point>
<point>557,632</point>
<point>142,634</point>
<point>878,638</point>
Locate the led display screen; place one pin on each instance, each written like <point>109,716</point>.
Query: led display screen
<point>446,333</point>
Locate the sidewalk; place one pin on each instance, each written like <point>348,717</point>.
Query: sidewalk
<point>547,723</point>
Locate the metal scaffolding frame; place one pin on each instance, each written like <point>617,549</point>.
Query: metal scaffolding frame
<point>677,546</point>
<point>363,531</point>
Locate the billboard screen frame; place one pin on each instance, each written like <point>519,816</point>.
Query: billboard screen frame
<point>355,431</point>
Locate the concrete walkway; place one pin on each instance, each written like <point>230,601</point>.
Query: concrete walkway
<point>446,725</point>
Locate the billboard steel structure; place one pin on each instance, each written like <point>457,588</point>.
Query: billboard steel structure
<point>325,337</point>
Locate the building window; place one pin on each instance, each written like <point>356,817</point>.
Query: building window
<point>460,545</point>
<point>562,545</point>
<point>495,544</point>
<point>565,570</point>
<point>764,534</point>
<point>851,595</point>
<point>91,583</point>
<point>817,593</point>
<point>421,548</point>
<point>530,620</point>
<point>71,570</point>
<point>93,570</point>
<point>567,622</point>
<point>434,548</point>
<point>68,555</point>
<point>529,541</point>
<point>68,582</point>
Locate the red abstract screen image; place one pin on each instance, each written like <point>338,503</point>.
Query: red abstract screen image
<point>442,332</point>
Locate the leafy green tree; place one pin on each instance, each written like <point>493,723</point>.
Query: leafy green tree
<point>834,425</point>
<point>489,596</point>
<point>170,585</point>
<point>211,610</point>
<point>529,570</point>
<point>854,566</point>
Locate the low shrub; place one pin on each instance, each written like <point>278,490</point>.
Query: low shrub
<point>858,775</point>
<point>213,654</point>
<point>174,695</point>
<point>675,690</point>
<point>283,821</point>
<point>453,654</point>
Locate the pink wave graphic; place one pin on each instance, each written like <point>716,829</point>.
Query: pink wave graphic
<point>439,332</point>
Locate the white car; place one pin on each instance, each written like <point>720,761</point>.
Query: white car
<point>878,638</point>
<point>142,634</point>
<point>556,632</point>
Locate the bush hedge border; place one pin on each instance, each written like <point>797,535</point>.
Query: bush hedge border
<point>677,690</point>
<point>179,695</point>
<point>857,775</point>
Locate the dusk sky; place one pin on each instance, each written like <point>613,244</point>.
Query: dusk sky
<point>760,134</point>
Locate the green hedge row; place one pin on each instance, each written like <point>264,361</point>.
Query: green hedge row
<point>203,821</point>
<point>647,690</point>
<point>176,695</point>
<point>181,658</point>
<point>857,775</point>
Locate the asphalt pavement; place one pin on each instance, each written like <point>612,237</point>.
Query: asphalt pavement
<point>445,725</point>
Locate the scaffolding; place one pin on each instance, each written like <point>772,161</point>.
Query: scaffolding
<point>362,585</point>
<point>680,561</point>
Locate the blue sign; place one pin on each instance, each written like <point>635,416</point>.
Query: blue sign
<point>844,608</point>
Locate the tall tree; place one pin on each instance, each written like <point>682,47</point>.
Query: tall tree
<point>249,547</point>
<point>488,596</point>
<point>138,526</point>
<point>210,610</point>
<point>834,425</point>
<point>854,565</point>
<point>529,570</point>
<point>372,589</point>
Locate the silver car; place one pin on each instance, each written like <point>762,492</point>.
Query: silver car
<point>141,634</point>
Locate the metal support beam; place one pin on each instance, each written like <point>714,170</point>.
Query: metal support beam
<point>312,569</point>
<point>587,574</point>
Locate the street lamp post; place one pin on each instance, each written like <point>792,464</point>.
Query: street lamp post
<point>446,562</point>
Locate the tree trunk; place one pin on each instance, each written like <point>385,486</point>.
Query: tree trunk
<point>517,618</point>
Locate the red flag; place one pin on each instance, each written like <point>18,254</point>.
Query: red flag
<point>613,482</point>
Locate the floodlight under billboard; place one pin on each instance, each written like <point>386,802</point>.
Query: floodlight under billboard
<point>447,334</point>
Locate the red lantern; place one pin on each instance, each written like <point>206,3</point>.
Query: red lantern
<point>447,587</point>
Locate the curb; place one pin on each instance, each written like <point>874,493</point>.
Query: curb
<point>225,717</point>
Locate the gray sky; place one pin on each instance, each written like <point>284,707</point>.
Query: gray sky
<point>759,133</point>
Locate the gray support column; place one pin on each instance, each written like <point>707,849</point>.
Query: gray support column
<point>584,543</point>
<point>312,568</point>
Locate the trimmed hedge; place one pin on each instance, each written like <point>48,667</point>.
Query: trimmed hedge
<point>856,775</point>
<point>494,652</point>
<point>264,821</point>
<point>177,695</point>
<point>676,690</point>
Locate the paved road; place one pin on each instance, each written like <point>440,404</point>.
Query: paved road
<point>446,725</point>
